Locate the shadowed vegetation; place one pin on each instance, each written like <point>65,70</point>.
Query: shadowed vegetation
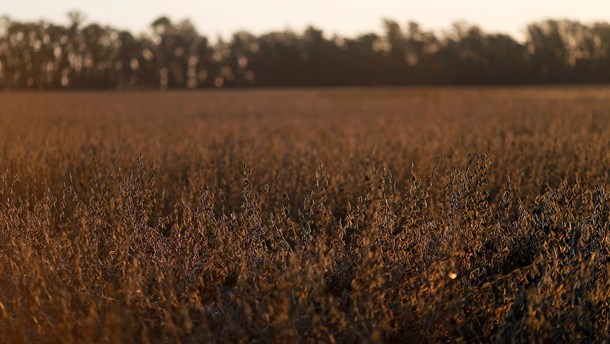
<point>172,55</point>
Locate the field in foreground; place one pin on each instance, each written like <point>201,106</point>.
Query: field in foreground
<point>382,215</point>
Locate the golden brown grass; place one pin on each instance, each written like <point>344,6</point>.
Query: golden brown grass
<point>418,215</point>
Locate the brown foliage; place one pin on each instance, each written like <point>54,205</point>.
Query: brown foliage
<point>419,215</point>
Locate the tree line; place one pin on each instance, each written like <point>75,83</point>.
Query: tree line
<point>171,55</point>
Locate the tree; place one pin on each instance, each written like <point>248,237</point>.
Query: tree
<point>41,55</point>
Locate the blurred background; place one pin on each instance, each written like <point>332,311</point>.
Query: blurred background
<point>188,44</point>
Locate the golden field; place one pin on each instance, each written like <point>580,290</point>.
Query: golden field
<point>321,215</point>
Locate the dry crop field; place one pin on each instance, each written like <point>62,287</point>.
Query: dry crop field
<point>352,215</point>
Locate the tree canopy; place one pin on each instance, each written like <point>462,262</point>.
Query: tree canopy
<point>172,55</point>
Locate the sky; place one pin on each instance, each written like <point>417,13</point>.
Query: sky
<point>343,17</point>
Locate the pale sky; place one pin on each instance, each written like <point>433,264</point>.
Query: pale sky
<point>344,17</point>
